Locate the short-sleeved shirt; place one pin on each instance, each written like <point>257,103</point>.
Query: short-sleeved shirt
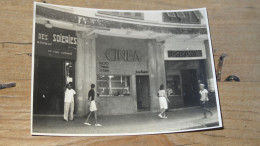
<point>69,95</point>
<point>204,95</point>
<point>162,93</point>
<point>91,94</point>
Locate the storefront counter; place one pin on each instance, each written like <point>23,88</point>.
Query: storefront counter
<point>115,105</point>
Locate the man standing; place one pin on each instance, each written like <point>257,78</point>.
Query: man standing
<point>204,100</point>
<point>69,103</point>
<point>93,107</point>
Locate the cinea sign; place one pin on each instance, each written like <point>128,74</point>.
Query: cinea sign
<point>55,42</point>
<point>122,55</point>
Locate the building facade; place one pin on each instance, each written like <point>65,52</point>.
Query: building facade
<point>128,55</point>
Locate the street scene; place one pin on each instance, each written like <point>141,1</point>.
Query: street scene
<point>183,119</point>
<point>113,72</point>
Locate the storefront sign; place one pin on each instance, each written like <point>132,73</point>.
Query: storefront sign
<point>192,53</point>
<point>55,42</point>
<point>141,72</point>
<point>104,66</point>
<point>122,55</point>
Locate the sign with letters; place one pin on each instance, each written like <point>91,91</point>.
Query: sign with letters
<point>191,53</point>
<point>55,42</point>
<point>122,55</point>
<point>104,66</point>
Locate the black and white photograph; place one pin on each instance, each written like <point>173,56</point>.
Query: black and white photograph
<point>103,72</point>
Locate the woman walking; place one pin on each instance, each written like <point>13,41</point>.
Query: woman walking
<point>163,102</point>
<point>93,107</point>
<point>204,99</point>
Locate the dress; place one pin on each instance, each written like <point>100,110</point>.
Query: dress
<point>91,96</point>
<point>162,99</point>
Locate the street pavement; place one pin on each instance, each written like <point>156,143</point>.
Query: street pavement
<point>141,123</point>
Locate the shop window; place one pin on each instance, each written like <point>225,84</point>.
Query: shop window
<point>173,85</point>
<point>113,85</point>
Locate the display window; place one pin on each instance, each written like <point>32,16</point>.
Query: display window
<point>113,85</point>
<point>173,81</point>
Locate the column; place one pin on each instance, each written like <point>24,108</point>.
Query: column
<point>79,74</point>
<point>208,67</point>
<point>90,67</point>
<point>156,69</point>
<point>161,79</point>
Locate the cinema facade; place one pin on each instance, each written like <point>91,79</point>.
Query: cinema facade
<point>126,54</point>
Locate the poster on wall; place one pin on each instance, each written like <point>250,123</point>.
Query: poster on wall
<point>100,72</point>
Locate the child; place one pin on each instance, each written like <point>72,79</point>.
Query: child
<point>69,103</point>
<point>204,100</point>
<point>163,101</point>
<point>93,107</point>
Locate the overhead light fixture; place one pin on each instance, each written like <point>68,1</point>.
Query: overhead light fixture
<point>48,24</point>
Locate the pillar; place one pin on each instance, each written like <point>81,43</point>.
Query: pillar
<point>79,74</point>
<point>89,68</point>
<point>85,68</point>
<point>156,67</point>
<point>208,67</point>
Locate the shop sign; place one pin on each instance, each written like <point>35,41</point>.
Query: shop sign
<point>104,66</point>
<point>122,55</point>
<point>55,42</point>
<point>141,72</point>
<point>191,53</point>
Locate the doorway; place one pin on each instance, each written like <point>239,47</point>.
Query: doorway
<point>49,85</point>
<point>143,93</point>
<point>190,87</point>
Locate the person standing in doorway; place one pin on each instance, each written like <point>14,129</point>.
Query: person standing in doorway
<point>204,100</point>
<point>69,103</point>
<point>93,107</point>
<point>163,102</point>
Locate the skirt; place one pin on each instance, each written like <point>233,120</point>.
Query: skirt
<point>93,106</point>
<point>163,103</point>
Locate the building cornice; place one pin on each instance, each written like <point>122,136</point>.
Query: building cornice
<point>49,13</point>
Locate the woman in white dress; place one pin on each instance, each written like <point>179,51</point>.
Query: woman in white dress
<point>163,101</point>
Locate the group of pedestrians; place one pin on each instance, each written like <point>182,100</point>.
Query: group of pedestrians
<point>69,104</point>
<point>163,101</point>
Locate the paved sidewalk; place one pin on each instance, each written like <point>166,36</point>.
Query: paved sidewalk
<point>145,122</point>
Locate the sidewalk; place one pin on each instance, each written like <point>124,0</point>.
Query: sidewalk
<point>184,119</point>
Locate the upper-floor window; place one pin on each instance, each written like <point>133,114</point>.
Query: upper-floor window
<point>189,17</point>
<point>132,15</point>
